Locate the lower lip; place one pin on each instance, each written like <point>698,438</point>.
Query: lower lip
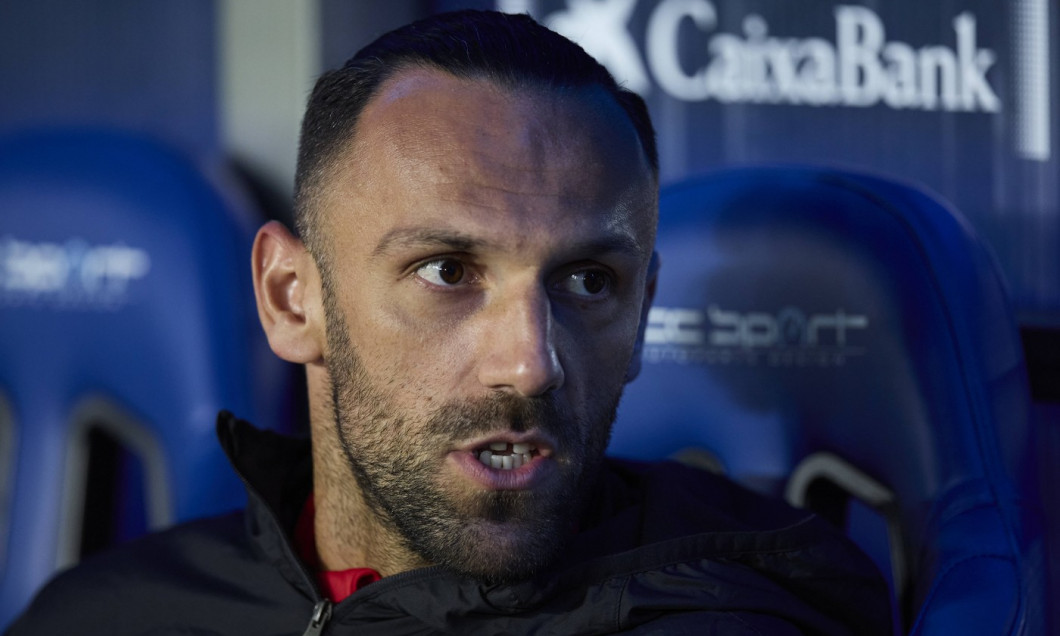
<point>525,477</point>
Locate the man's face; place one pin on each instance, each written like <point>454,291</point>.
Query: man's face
<point>488,254</point>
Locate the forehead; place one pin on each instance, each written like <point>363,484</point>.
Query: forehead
<point>431,147</point>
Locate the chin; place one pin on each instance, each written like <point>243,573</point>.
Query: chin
<point>503,552</point>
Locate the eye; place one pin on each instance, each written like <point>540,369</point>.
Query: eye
<point>444,272</point>
<point>589,282</point>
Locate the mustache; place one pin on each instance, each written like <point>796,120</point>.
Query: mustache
<point>479,416</point>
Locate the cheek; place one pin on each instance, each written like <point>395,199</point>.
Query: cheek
<point>412,351</point>
<point>595,357</point>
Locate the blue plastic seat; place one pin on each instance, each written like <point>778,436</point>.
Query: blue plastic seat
<point>846,341</point>
<point>127,321</point>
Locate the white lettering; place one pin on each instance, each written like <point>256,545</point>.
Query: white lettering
<point>861,68</point>
<point>816,79</point>
<point>859,39</point>
<point>72,272</point>
<point>901,89</point>
<point>838,322</point>
<point>674,326</point>
<point>599,26</point>
<point>788,338</point>
<point>662,52</point>
<point>34,267</point>
<point>976,93</point>
<point>789,327</point>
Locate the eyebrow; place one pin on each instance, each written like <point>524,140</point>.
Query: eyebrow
<point>610,244</point>
<point>420,237</point>
<point>404,238</point>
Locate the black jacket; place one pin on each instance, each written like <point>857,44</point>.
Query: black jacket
<point>666,549</point>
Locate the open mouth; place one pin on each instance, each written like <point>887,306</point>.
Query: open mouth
<point>506,456</point>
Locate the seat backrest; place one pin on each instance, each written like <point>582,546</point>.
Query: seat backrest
<point>126,322</point>
<point>826,334</point>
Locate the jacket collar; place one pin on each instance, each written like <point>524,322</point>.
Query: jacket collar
<point>277,473</point>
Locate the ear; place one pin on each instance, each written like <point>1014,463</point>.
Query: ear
<point>650,282</point>
<point>287,287</point>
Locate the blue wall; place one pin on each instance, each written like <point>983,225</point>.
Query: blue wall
<point>149,66</point>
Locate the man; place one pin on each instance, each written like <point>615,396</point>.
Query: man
<point>476,204</point>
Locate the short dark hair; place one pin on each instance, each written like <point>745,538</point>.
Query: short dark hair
<point>510,50</point>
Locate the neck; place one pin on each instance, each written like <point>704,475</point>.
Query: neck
<point>349,532</point>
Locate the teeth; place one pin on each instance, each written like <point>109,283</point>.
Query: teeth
<point>505,460</point>
<point>499,446</point>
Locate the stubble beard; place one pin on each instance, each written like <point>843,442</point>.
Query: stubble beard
<point>396,461</point>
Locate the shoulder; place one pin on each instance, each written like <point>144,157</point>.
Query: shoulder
<point>152,585</point>
<point>158,556</point>
<point>670,503</point>
<point>675,500</point>
<point>685,531</point>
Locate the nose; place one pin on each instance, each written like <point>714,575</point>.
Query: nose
<point>518,350</point>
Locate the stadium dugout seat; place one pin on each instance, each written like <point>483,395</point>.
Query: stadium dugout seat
<point>126,322</point>
<point>845,340</point>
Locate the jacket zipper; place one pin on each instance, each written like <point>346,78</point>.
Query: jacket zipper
<point>321,616</point>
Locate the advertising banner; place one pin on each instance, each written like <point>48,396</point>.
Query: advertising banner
<point>956,95</point>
